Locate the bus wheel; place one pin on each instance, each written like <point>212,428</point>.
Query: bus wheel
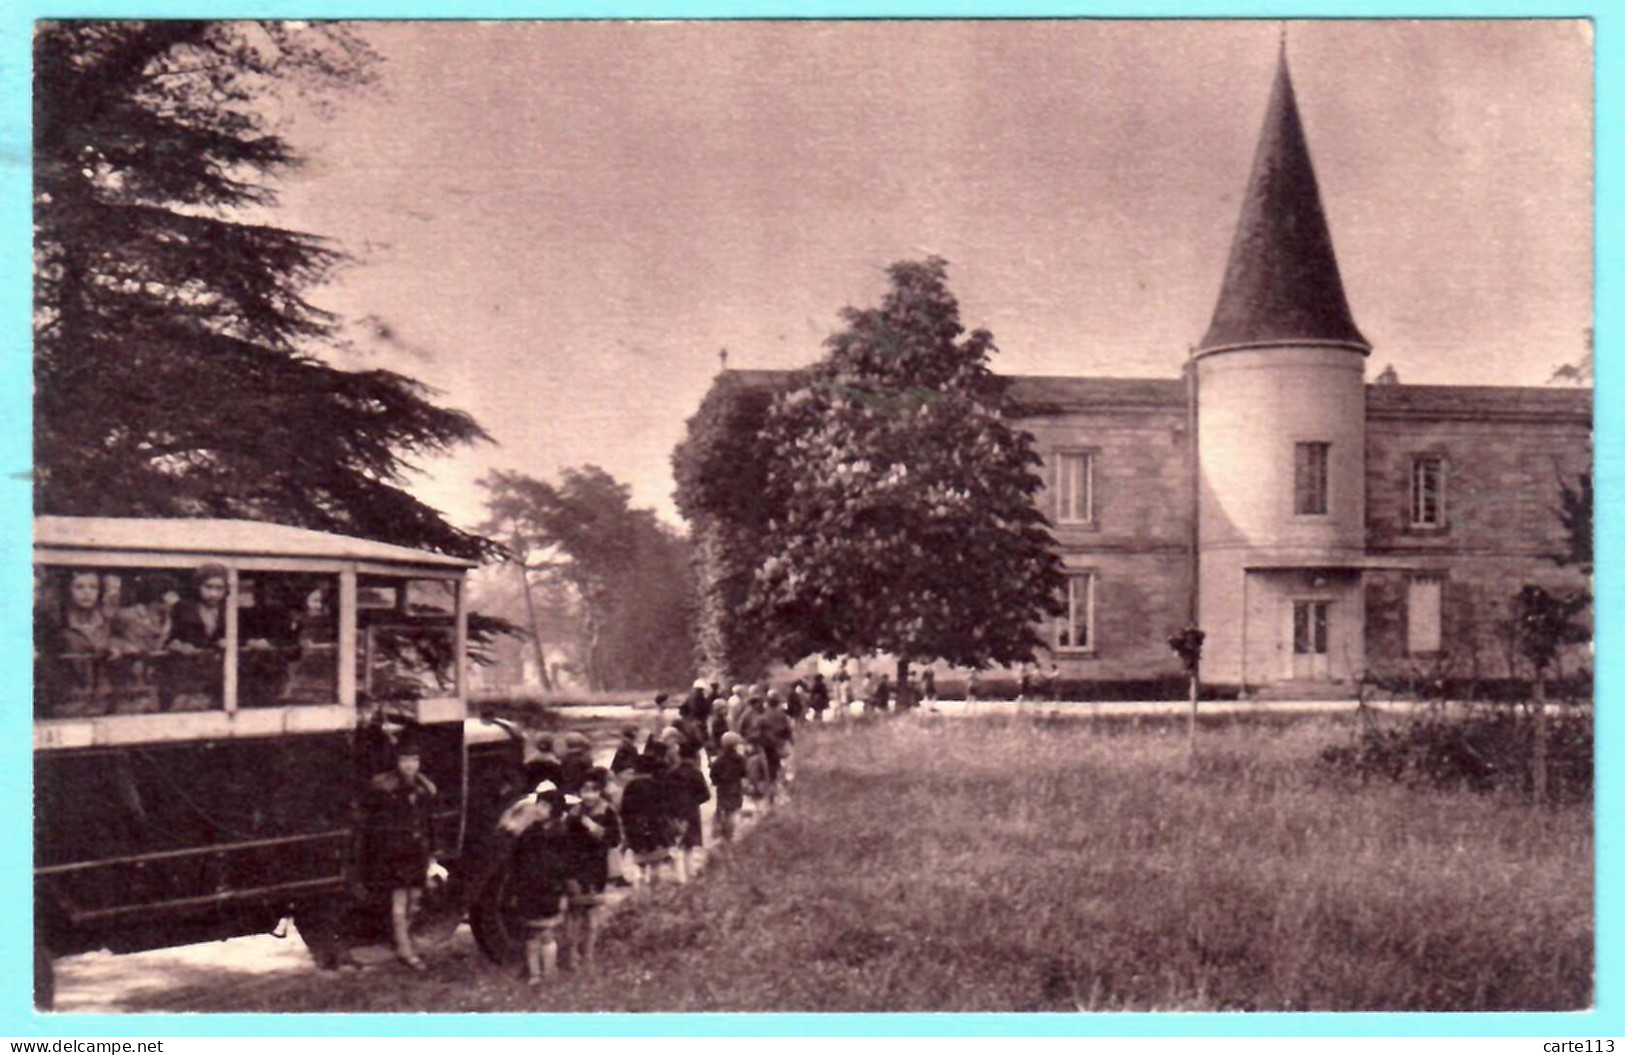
<point>498,927</point>
<point>44,977</point>
<point>321,923</point>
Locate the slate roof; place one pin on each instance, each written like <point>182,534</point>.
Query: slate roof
<point>1039,394</point>
<point>1477,402</point>
<point>1103,393</point>
<point>1281,285</point>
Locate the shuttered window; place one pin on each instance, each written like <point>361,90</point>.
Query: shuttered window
<point>1424,632</point>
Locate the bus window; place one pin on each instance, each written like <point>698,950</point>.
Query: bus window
<point>406,638</point>
<point>106,642</point>
<point>287,633</point>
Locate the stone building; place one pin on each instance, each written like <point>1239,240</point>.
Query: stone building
<point>1316,525</point>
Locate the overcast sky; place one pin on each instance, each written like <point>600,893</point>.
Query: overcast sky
<point>559,225</point>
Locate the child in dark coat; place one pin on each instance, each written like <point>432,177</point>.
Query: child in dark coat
<point>686,792</point>
<point>728,777</point>
<point>595,836</point>
<point>644,818</point>
<point>626,752</point>
<point>397,841</point>
<point>542,860</point>
<point>818,697</point>
<point>576,763</point>
<point>776,733</point>
<point>758,778</point>
<point>719,727</point>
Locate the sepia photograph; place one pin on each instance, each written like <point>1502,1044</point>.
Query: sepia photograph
<point>855,516</point>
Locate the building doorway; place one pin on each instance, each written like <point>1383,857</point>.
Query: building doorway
<point>1311,632</point>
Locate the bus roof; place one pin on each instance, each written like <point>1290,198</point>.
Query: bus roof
<point>223,537</point>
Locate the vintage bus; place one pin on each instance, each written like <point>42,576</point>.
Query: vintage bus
<point>199,751</point>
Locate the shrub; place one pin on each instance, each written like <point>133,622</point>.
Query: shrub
<point>1481,750</point>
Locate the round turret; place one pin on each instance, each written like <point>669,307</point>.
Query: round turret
<point>1280,391</point>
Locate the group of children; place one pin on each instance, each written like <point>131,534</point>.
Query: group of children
<point>581,830</point>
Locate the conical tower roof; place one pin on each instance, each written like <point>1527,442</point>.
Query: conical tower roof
<point>1281,285</point>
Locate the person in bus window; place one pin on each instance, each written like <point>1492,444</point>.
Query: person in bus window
<point>83,638</point>
<point>84,625</point>
<point>316,625</point>
<point>197,633</point>
<point>269,632</point>
<point>140,633</point>
<point>200,623</point>
<point>144,627</point>
<point>112,593</point>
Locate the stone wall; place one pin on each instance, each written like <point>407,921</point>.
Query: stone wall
<point>1501,485</point>
<point>1138,542</point>
<point>1501,532</point>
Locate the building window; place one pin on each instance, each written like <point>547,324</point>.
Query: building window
<point>1309,478</point>
<point>1423,633</point>
<point>1427,492</point>
<point>1076,629</point>
<point>1309,620</point>
<point>1074,487</point>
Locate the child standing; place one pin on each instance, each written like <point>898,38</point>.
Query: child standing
<point>686,792</point>
<point>644,818</point>
<point>758,778</point>
<point>541,872</point>
<point>728,777</point>
<point>396,841</point>
<point>595,835</point>
<point>777,736</point>
<point>719,727</point>
<point>818,697</point>
<point>576,763</point>
<point>626,752</point>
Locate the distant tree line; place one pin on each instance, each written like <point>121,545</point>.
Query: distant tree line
<point>584,558</point>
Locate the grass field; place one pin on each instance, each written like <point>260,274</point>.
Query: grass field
<point>998,865</point>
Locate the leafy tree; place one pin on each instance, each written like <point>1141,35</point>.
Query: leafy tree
<point>1545,623</point>
<point>901,512</point>
<point>627,573</point>
<point>721,471</point>
<point>176,368</point>
<point>1575,511</point>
